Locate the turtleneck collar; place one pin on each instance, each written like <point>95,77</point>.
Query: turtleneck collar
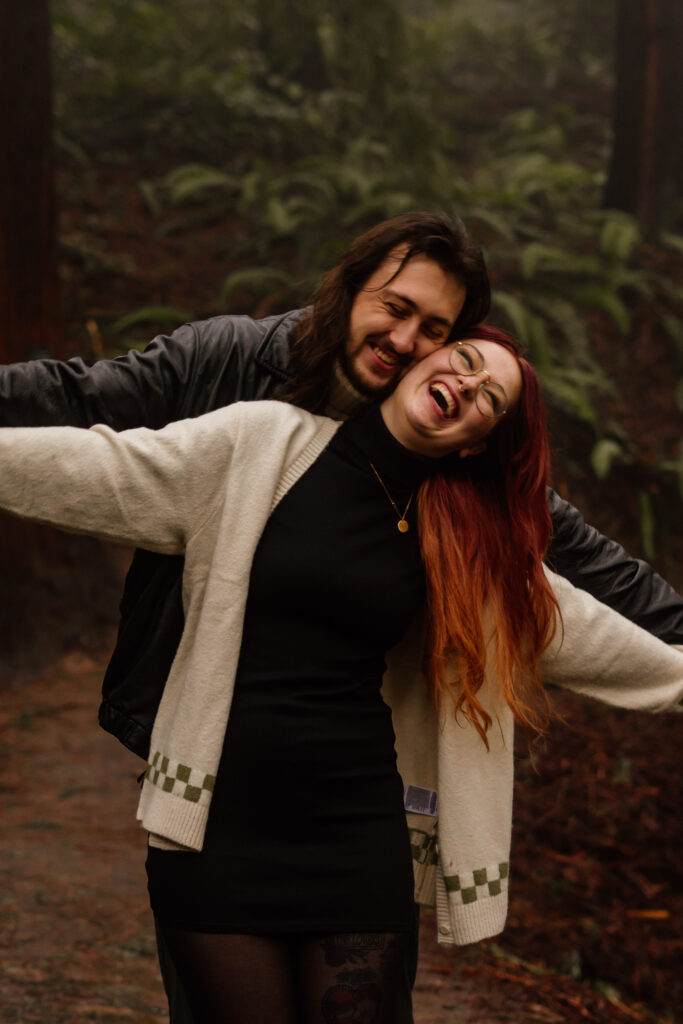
<point>345,399</point>
<point>369,433</point>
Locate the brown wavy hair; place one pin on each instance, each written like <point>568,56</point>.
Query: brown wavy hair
<point>484,527</point>
<point>320,335</point>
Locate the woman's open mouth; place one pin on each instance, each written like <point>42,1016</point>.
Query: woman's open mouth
<point>444,398</point>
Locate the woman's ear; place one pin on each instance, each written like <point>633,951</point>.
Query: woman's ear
<point>477,449</point>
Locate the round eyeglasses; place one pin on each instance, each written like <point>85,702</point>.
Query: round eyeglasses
<point>467,361</point>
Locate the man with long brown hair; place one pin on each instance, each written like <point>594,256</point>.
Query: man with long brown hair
<point>401,289</point>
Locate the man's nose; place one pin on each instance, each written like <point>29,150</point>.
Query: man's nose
<point>403,337</point>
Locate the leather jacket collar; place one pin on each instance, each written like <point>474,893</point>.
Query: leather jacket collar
<point>273,352</point>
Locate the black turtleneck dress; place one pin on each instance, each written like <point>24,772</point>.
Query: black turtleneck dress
<point>306,830</point>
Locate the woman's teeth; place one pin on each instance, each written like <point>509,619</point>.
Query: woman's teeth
<point>444,399</point>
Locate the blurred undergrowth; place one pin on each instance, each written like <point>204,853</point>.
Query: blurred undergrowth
<point>301,123</point>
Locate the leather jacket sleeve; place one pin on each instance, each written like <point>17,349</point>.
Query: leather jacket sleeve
<point>138,389</point>
<point>601,567</point>
<point>199,367</point>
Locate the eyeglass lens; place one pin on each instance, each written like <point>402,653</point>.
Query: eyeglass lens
<point>490,397</point>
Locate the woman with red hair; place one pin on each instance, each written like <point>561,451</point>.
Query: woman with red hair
<point>484,528</point>
<point>292,807</point>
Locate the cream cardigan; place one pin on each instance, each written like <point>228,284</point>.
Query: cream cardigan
<point>205,487</point>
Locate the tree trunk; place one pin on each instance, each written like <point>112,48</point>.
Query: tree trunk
<point>647,157</point>
<point>30,311</point>
<point>55,590</point>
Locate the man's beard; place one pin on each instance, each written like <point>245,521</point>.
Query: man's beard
<point>362,386</point>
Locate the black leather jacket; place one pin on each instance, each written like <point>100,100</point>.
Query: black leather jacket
<point>204,366</point>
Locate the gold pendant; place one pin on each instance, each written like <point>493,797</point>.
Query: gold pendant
<point>403,525</point>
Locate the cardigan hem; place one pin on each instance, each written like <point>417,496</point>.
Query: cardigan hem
<point>173,818</point>
<point>480,920</point>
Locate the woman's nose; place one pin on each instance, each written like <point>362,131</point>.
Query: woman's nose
<point>468,384</point>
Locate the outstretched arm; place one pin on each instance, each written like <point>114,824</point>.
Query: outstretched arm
<point>145,487</point>
<point>138,389</point>
<point>601,567</point>
<point>200,367</point>
<point>599,653</point>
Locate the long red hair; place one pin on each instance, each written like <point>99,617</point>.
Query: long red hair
<point>484,527</point>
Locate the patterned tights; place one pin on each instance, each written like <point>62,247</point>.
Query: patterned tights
<point>253,979</point>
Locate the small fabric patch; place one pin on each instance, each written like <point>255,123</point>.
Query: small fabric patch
<point>481,884</point>
<point>420,801</point>
<point>179,779</point>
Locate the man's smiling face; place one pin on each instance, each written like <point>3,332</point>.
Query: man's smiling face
<point>396,321</point>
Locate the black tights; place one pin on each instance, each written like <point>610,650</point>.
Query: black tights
<point>257,979</point>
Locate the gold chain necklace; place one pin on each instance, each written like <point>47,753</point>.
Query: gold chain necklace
<point>403,524</point>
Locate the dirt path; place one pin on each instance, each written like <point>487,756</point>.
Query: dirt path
<point>76,940</point>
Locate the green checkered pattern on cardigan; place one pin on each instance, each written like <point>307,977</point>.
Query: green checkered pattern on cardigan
<point>422,846</point>
<point>180,779</point>
<point>481,884</point>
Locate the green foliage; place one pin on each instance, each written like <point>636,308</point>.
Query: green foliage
<point>193,181</point>
<point>605,453</point>
<point>167,316</point>
<point>539,257</point>
<point>529,328</point>
<point>300,124</point>
<point>672,241</point>
<point>594,295</point>
<point>620,235</point>
<point>255,281</point>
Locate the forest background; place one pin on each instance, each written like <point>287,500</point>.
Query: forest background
<point>188,158</point>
